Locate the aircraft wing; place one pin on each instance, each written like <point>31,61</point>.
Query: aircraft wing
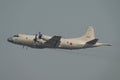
<point>53,42</point>
<point>91,43</point>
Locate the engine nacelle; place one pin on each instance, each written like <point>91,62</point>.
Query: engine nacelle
<point>45,37</point>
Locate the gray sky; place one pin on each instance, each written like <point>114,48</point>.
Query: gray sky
<point>68,18</point>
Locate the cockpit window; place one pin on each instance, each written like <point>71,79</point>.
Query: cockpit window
<point>15,36</point>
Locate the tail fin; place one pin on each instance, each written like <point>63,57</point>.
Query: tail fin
<point>89,35</point>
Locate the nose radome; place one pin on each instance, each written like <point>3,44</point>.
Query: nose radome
<point>10,39</point>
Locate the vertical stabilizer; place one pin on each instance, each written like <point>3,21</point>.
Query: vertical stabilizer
<point>89,35</point>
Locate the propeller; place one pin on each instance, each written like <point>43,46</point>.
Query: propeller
<point>35,39</point>
<point>40,35</point>
<point>37,36</point>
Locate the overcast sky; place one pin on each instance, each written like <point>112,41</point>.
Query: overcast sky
<point>67,18</point>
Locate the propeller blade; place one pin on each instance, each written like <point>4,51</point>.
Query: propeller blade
<point>35,39</point>
<point>40,35</point>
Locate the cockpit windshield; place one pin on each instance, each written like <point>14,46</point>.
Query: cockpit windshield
<point>16,36</point>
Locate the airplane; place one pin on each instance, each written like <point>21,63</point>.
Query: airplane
<point>44,41</point>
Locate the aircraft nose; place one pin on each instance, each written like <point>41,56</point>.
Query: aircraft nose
<point>10,39</point>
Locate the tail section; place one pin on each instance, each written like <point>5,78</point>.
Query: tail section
<point>102,44</point>
<point>90,40</point>
<point>106,44</point>
<point>89,35</point>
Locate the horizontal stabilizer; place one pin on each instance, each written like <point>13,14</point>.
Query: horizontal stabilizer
<point>90,43</point>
